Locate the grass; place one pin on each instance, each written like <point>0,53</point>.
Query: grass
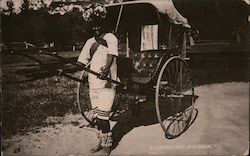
<point>27,103</point>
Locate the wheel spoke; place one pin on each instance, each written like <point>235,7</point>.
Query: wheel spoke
<point>168,75</point>
<point>176,74</point>
<point>172,74</point>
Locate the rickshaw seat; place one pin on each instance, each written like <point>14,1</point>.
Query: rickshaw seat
<point>145,64</point>
<point>140,67</point>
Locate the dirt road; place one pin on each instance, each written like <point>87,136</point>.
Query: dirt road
<point>221,128</point>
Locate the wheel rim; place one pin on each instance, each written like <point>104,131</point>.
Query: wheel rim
<point>174,97</point>
<point>83,100</point>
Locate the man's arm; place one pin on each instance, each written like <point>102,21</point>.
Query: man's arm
<point>112,43</point>
<point>106,69</point>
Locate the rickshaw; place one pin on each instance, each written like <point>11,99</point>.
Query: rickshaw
<point>152,63</point>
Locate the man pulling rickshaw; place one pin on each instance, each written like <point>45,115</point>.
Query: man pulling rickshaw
<point>99,53</point>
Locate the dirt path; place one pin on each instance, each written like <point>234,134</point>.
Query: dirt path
<point>221,128</point>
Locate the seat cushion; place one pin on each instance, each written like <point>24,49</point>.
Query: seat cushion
<point>144,66</point>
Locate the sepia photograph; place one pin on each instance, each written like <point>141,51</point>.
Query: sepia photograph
<point>125,77</point>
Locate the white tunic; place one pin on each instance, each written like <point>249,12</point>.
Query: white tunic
<point>99,59</point>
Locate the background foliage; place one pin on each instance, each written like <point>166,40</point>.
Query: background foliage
<point>38,22</point>
<point>44,21</point>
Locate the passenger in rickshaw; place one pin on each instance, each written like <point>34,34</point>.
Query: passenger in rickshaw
<point>100,53</point>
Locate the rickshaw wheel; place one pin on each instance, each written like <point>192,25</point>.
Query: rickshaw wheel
<point>83,100</point>
<point>174,97</point>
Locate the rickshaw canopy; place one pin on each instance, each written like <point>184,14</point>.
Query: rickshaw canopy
<point>165,7</point>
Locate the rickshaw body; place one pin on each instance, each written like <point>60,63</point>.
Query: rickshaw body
<point>151,63</point>
<point>143,61</point>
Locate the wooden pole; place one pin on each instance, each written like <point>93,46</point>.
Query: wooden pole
<point>118,20</point>
<point>170,35</point>
<point>184,46</point>
<point>127,45</point>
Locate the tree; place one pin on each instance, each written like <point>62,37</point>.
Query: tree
<point>41,21</point>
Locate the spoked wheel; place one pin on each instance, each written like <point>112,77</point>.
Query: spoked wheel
<point>83,100</point>
<point>174,97</point>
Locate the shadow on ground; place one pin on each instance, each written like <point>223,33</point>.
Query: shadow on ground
<point>146,116</point>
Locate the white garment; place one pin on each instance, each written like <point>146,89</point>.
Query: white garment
<point>102,99</point>
<point>99,59</point>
